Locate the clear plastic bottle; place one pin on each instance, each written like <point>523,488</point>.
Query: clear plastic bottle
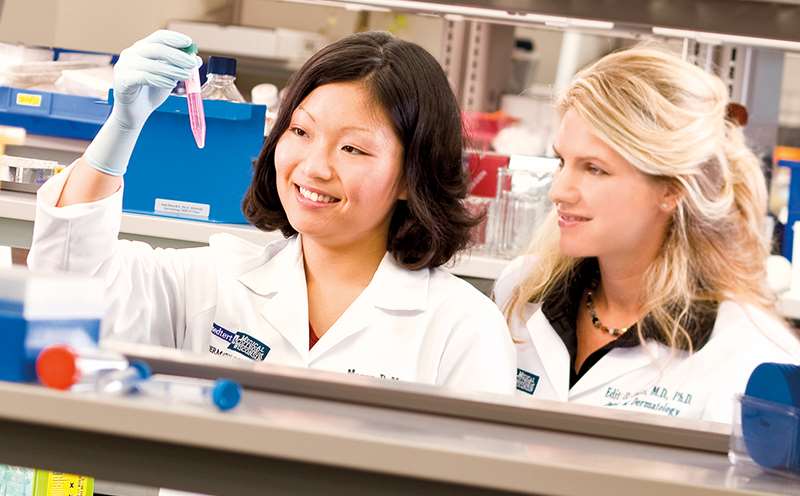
<point>221,74</point>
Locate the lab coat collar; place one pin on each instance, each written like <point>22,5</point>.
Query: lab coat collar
<point>271,275</point>
<point>620,362</point>
<point>393,287</point>
<point>556,360</point>
<point>552,353</point>
<point>281,280</point>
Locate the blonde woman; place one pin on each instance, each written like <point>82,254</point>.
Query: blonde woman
<point>646,286</point>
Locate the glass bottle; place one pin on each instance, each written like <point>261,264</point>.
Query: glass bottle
<point>221,74</point>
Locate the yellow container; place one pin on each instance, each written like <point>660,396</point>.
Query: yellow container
<point>47,483</point>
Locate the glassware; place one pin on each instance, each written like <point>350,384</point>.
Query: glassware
<point>521,205</point>
<point>219,85</point>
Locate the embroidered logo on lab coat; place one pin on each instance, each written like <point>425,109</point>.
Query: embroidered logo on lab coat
<point>242,343</point>
<point>526,382</point>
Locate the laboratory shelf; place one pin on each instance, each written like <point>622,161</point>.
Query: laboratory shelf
<point>298,444</point>
<point>761,20</point>
<point>17,211</point>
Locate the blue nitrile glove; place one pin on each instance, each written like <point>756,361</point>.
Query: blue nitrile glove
<point>144,76</point>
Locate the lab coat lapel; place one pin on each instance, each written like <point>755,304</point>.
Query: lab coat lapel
<point>618,363</point>
<point>555,360</point>
<point>281,283</point>
<point>355,319</point>
<point>392,288</point>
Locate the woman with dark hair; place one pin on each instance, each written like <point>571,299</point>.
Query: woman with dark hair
<point>361,173</point>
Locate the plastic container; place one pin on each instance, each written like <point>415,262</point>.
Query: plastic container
<point>37,311</point>
<point>169,176</point>
<point>52,114</point>
<point>267,94</point>
<point>766,424</point>
<point>221,80</point>
<point>765,434</point>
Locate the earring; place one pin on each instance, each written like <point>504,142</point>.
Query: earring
<point>664,206</point>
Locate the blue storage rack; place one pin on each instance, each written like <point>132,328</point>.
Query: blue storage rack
<point>54,114</point>
<point>169,176</point>
<point>794,206</point>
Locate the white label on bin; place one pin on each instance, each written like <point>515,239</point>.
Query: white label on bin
<point>182,209</point>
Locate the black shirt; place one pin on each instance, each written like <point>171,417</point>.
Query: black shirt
<point>561,310</point>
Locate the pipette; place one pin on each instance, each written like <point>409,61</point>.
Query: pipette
<point>222,393</point>
<point>90,369</point>
<point>197,117</point>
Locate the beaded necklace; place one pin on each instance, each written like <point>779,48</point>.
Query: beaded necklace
<point>614,331</point>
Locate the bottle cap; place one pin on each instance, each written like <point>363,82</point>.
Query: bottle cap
<point>56,367</point>
<point>223,66</point>
<point>226,394</point>
<point>191,49</point>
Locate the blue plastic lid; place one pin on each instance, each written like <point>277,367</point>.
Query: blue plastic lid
<point>226,394</point>
<point>775,382</point>
<point>142,368</point>
<point>771,433</point>
<point>223,66</point>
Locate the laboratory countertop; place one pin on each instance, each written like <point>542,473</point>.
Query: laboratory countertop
<point>21,207</point>
<point>300,445</point>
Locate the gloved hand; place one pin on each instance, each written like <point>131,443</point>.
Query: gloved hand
<point>144,76</point>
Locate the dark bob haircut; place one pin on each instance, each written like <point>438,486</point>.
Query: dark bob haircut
<point>428,228</point>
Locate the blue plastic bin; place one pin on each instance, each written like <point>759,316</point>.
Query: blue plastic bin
<point>54,114</point>
<point>794,206</point>
<point>18,355</point>
<point>169,176</point>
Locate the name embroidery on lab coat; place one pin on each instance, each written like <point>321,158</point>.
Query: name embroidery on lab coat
<point>658,398</point>
<point>527,382</point>
<point>240,342</point>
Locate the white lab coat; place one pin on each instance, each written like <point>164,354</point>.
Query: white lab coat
<point>650,378</point>
<point>246,301</point>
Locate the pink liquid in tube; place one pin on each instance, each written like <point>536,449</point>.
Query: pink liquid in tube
<point>197,118</point>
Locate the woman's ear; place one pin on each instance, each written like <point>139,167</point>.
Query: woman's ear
<point>670,196</point>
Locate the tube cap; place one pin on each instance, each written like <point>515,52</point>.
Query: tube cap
<point>224,66</point>
<point>56,367</point>
<point>142,368</point>
<point>191,49</point>
<point>226,394</point>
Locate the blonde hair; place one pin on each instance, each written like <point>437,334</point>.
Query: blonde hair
<point>667,118</point>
